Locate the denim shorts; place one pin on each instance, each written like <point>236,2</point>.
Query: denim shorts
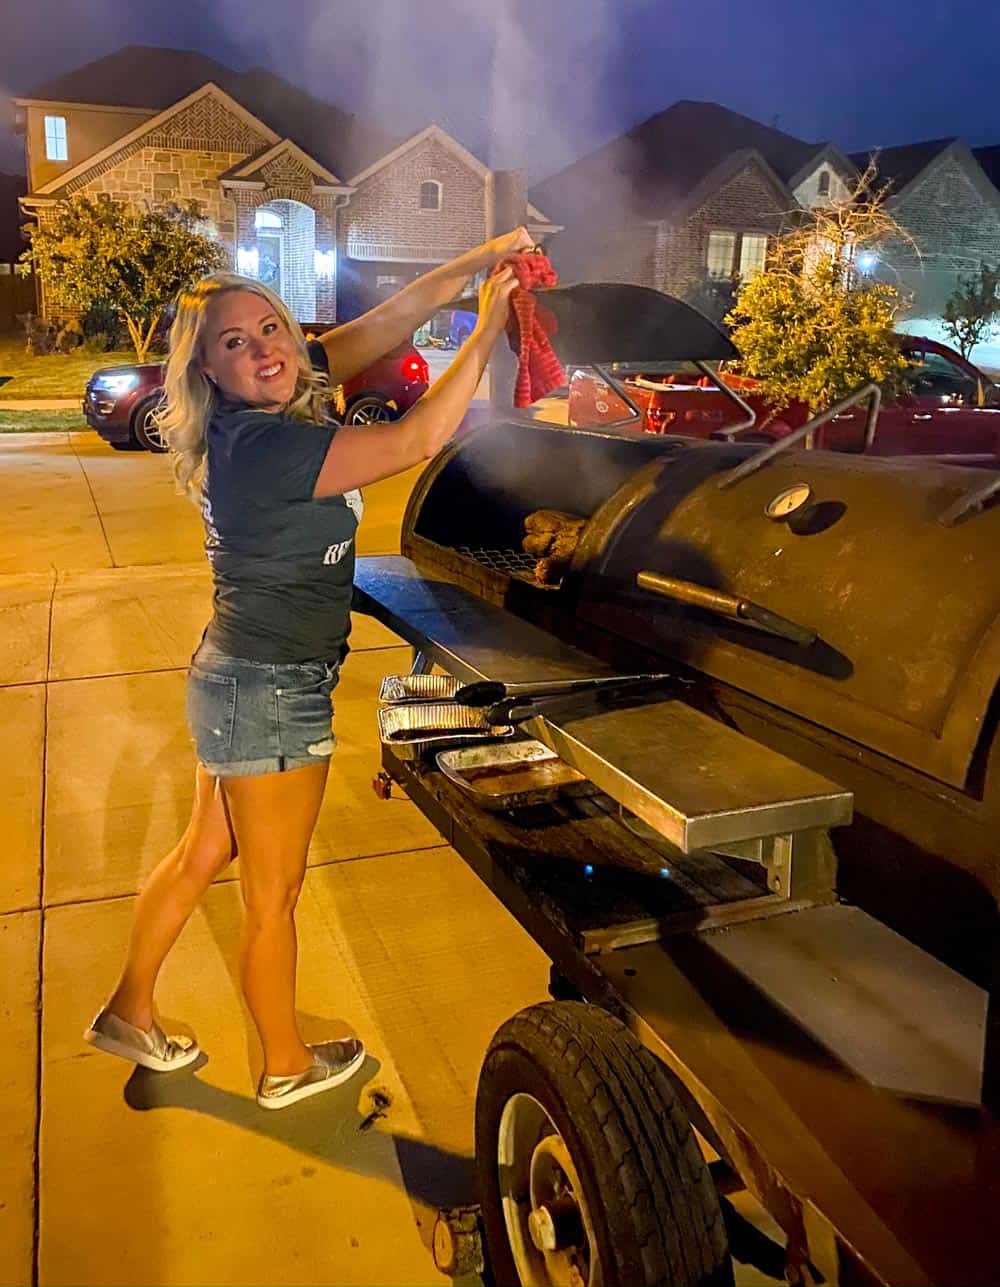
<point>249,717</point>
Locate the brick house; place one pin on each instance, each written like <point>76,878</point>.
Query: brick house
<point>690,196</point>
<point>945,196</point>
<point>331,213</point>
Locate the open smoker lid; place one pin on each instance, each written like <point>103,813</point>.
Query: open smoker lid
<point>598,323</point>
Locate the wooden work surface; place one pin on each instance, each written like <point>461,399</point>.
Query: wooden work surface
<point>909,1182</point>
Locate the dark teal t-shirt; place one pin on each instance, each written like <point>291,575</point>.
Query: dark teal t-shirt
<point>282,563</point>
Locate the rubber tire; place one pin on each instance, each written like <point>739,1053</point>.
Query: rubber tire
<point>139,430</point>
<point>129,444</point>
<point>654,1207</point>
<point>366,401</point>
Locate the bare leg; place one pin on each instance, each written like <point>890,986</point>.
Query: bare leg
<point>168,898</point>
<point>273,816</point>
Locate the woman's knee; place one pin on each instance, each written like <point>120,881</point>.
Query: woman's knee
<point>271,895</point>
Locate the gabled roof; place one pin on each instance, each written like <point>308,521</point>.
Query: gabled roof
<point>430,133</point>
<point>660,162</point>
<point>901,165</point>
<point>141,76</point>
<point>253,166</point>
<point>904,166</point>
<point>150,126</point>
<point>828,154</point>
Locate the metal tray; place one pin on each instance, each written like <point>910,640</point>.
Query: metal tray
<point>421,722</point>
<point>418,688</point>
<point>511,775</point>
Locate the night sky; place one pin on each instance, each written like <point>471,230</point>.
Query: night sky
<point>536,83</point>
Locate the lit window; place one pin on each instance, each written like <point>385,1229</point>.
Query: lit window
<point>824,183</point>
<point>721,248</point>
<point>430,195</point>
<point>265,218</point>
<point>55,138</point>
<point>753,254</point>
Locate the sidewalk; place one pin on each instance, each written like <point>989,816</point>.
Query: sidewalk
<point>109,1177</point>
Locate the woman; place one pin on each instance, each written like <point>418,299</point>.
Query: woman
<point>247,419</point>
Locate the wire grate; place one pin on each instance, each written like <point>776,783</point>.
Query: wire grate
<point>511,562</point>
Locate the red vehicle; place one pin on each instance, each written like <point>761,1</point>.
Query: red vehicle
<point>120,402</point>
<point>950,410</point>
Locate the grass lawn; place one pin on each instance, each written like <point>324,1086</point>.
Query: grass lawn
<point>58,375</point>
<point>40,421</point>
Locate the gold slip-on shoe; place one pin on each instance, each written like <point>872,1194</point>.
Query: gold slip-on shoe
<point>333,1063</point>
<point>152,1049</point>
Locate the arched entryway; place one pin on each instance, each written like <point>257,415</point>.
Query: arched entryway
<point>285,254</point>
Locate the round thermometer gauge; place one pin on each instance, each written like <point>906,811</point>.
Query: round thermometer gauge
<point>789,502</point>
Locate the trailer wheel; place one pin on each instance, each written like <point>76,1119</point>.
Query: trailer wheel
<point>589,1172</point>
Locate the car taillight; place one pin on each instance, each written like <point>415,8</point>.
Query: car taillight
<point>416,368</point>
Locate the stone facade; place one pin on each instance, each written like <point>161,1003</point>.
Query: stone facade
<point>160,175</point>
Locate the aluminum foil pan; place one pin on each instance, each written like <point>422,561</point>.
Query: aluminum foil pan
<point>511,775</point>
<point>418,688</point>
<point>435,722</point>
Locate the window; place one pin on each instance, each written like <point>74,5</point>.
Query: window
<point>267,220</point>
<point>55,138</point>
<point>931,375</point>
<point>430,195</point>
<point>823,188</point>
<point>721,248</point>
<point>753,255</point>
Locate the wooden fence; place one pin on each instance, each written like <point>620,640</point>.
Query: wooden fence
<point>17,296</point>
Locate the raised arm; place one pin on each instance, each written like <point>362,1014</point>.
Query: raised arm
<point>356,345</point>
<point>362,454</point>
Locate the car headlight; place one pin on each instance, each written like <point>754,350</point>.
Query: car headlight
<point>116,384</point>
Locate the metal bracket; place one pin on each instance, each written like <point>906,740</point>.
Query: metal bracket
<point>800,866</point>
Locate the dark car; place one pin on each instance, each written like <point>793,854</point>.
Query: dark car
<point>120,402</point>
<point>947,409</point>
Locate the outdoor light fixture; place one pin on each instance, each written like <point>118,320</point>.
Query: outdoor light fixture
<point>248,261</point>
<point>116,384</point>
<point>866,262</point>
<point>325,262</point>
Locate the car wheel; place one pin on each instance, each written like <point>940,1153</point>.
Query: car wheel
<point>129,444</point>
<point>145,427</point>
<point>368,411</point>
<point>589,1171</point>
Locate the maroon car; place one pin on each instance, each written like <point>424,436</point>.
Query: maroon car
<point>947,409</point>
<point>120,402</point>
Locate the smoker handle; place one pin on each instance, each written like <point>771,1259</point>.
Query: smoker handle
<point>725,605</point>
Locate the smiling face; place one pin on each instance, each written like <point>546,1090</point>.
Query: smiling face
<point>248,351</point>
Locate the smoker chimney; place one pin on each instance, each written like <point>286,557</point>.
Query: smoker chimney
<point>510,210</point>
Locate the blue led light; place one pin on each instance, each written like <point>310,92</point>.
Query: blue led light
<point>588,870</point>
<point>665,872</point>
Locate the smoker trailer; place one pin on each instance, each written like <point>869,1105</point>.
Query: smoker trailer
<point>731,951</point>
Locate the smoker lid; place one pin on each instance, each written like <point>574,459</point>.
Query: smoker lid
<point>598,323</point>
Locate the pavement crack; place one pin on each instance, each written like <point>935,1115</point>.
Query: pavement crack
<point>93,501</point>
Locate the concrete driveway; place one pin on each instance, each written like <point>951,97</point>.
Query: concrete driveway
<point>109,1177</point>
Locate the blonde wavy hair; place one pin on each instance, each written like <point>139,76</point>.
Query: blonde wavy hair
<point>190,395</point>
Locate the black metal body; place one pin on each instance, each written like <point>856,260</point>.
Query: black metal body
<point>893,699</point>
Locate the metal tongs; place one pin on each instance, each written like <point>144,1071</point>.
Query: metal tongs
<point>513,703</point>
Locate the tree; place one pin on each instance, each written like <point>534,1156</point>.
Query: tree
<point>102,253</point>
<point>971,313</point>
<point>813,326</point>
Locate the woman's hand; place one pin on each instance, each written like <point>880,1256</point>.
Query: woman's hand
<point>511,243</point>
<point>494,302</point>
